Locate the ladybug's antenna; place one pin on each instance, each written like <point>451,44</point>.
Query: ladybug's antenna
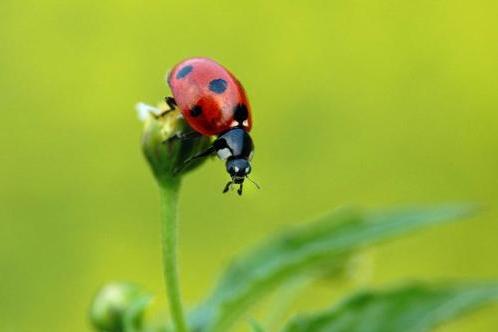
<point>254,182</point>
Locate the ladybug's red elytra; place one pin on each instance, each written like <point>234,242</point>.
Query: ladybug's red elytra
<point>214,103</point>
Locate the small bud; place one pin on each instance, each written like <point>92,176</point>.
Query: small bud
<point>164,150</point>
<point>118,306</point>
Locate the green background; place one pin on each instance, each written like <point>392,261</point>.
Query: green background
<point>370,103</point>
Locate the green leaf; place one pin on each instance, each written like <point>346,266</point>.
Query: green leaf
<point>324,244</point>
<point>413,308</point>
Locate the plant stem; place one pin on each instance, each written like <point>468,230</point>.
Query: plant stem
<point>169,202</point>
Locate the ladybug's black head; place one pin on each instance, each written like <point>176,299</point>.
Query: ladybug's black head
<point>238,168</point>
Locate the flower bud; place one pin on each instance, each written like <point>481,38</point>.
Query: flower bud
<point>165,152</point>
<point>117,307</point>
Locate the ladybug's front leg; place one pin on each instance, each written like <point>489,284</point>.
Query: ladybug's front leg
<point>182,136</point>
<point>201,154</point>
<point>239,191</point>
<point>227,187</point>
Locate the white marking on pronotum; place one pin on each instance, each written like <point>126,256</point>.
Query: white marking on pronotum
<point>234,124</point>
<point>246,170</point>
<point>236,169</point>
<point>224,153</point>
<point>245,123</point>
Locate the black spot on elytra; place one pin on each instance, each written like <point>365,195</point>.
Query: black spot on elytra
<point>184,72</point>
<point>240,113</point>
<point>218,85</point>
<point>196,111</point>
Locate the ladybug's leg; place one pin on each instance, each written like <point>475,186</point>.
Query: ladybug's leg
<point>171,102</point>
<point>182,136</point>
<point>227,186</point>
<point>239,191</point>
<point>217,144</point>
<point>201,154</point>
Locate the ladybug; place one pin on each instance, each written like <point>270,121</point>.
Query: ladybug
<point>213,103</point>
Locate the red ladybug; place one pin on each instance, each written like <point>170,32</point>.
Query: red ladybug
<point>214,103</point>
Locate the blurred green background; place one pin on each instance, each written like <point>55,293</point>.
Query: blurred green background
<point>371,103</point>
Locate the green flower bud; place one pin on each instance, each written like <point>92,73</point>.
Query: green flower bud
<point>118,307</point>
<point>165,152</point>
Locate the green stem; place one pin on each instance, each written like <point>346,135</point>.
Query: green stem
<point>169,202</point>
